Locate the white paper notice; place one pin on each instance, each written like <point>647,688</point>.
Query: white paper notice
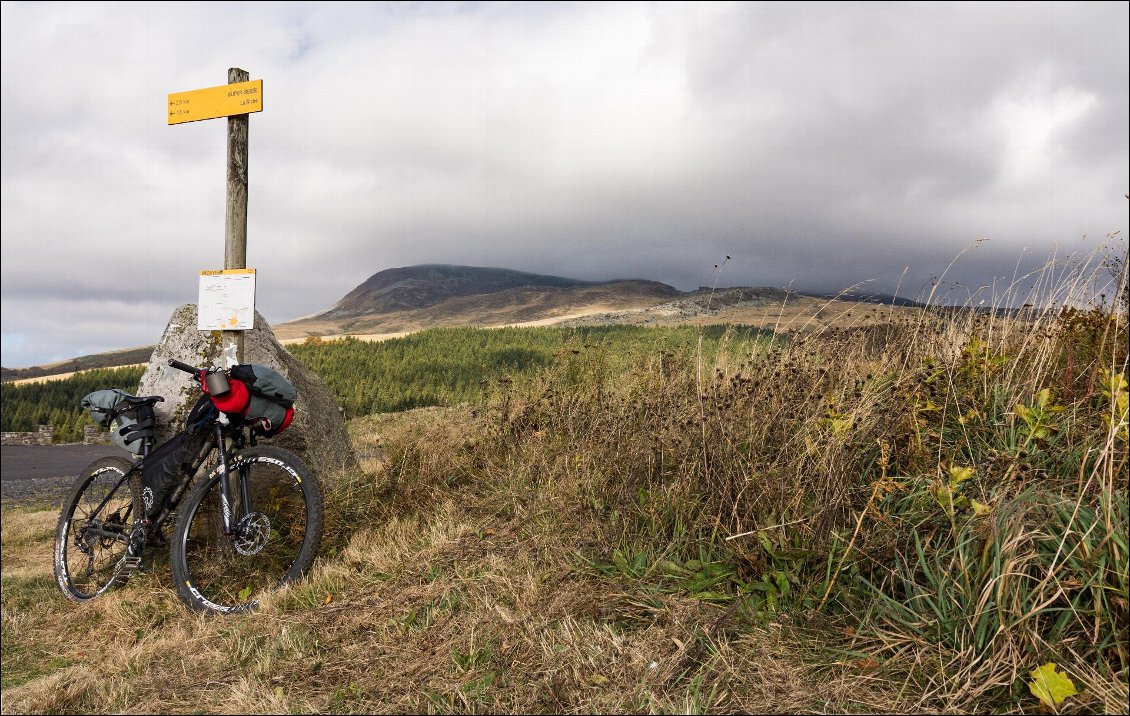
<point>227,300</point>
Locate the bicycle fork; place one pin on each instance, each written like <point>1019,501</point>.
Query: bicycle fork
<point>229,519</point>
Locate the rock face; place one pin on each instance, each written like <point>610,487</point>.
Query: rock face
<point>318,432</point>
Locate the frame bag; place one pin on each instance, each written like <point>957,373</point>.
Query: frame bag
<point>166,464</point>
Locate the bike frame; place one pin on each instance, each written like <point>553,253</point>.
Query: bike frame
<point>217,441</point>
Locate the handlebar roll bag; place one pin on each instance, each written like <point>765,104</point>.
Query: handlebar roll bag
<point>261,396</point>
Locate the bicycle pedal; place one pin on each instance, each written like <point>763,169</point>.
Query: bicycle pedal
<point>127,566</point>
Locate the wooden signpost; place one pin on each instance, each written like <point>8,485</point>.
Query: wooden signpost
<point>235,100</point>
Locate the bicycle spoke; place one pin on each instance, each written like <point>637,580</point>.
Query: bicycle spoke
<point>270,544</point>
<point>93,530</point>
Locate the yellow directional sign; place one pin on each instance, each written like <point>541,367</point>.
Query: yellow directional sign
<point>222,101</point>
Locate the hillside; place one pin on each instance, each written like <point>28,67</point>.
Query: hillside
<point>413,297</point>
<point>403,300</point>
<point>111,359</point>
<point>414,287</point>
<point>516,304</point>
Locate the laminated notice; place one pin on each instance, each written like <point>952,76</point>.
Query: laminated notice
<point>227,300</point>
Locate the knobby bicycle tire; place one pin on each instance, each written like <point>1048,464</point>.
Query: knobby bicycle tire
<point>274,544</point>
<point>94,526</point>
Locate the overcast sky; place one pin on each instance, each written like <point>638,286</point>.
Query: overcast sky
<point>818,145</point>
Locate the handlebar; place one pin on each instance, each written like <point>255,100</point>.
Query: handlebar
<point>173,362</point>
<point>213,381</point>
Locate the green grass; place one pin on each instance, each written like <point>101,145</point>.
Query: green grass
<point>436,367</point>
<point>448,366</point>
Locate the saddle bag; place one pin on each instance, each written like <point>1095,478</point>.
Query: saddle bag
<point>103,407</point>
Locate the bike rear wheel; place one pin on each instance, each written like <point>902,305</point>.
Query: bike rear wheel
<point>94,528</point>
<point>275,535</point>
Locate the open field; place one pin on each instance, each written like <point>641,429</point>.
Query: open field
<point>63,376</point>
<point>112,359</point>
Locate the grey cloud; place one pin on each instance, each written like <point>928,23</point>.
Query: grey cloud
<point>819,145</point>
<point>49,330</point>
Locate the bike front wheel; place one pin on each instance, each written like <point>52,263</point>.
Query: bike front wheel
<point>94,528</point>
<point>276,516</point>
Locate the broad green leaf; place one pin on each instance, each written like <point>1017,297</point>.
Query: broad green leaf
<point>959,475</point>
<point>1050,686</point>
<point>979,509</point>
<point>244,594</point>
<point>1115,382</point>
<point>666,566</point>
<point>943,495</point>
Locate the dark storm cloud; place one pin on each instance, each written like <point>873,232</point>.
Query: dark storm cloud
<point>821,146</point>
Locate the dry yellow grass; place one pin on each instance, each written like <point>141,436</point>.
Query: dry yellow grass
<point>797,314</point>
<point>454,605</point>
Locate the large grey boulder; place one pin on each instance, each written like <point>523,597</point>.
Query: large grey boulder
<point>318,432</point>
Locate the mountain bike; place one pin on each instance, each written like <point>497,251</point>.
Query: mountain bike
<point>249,524</point>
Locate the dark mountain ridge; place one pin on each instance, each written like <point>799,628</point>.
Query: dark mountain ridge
<point>414,287</point>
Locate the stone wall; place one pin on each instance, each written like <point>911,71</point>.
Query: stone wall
<point>94,435</point>
<point>42,436</point>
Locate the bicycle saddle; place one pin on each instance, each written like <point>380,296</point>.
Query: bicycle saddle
<point>136,400</point>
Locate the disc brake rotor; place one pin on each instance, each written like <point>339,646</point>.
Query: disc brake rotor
<point>252,534</point>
